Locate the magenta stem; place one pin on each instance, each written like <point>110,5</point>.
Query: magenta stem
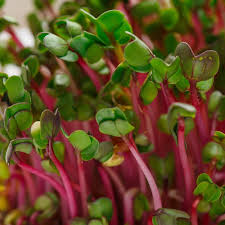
<point>154,189</point>
<point>110,193</point>
<point>202,130</point>
<point>91,73</point>
<point>21,220</point>
<point>83,185</point>
<point>65,180</point>
<point>40,174</point>
<point>117,181</point>
<point>214,123</point>
<point>31,186</point>
<point>33,218</point>
<point>128,206</point>
<point>14,37</point>
<point>188,180</point>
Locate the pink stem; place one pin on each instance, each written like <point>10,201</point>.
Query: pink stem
<point>184,163</point>
<point>65,180</point>
<point>31,186</point>
<point>213,128</point>
<point>194,215</point>
<point>109,190</point>
<point>195,101</point>
<point>155,192</point>
<point>43,96</point>
<point>83,186</point>
<point>39,173</point>
<point>21,220</point>
<point>33,218</point>
<point>91,73</point>
<point>128,206</point>
<point>165,95</point>
<point>142,181</point>
<point>14,37</point>
<point>117,181</point>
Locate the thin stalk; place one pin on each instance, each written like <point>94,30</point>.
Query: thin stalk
<point>91,73</point>
<point>196,103</point>
<point>155,192</point>
<point>119,53</point>
<point>188,179</point>
<point>14,37</point>
<point>65,180</point>
<point>21,220</point>
<point>117,181</point>
<point>214,123</point>
<point>194,215</point>
<point>83,185</point>
<point>48,102</point>
<point>128,206</point>
<point>31,186</point>
<point>58,187</point>
<point>110,193</point>
<point>33,218</point>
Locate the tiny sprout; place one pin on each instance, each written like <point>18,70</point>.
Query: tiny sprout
<point>50,124</point>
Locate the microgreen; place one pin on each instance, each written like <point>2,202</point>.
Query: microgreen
<point>107,99</point>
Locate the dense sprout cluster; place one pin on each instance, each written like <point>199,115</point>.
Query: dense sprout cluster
<point>117,115</point>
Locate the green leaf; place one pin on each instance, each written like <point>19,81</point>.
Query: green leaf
<point>123,126</point>
<point>141,205</point>
<point>59,150</point>
<point>203,206</point>
<point>212,194</point>
<point>170,217</point>
<point>204,177</point>
<point>201,188</point>
<point>177,110</point>
<point>3,78</point>
<point>145,8</point>
<point>15,94</point>
<point>140,49</point>
<point>169,17</point>
<point>121,73</point>
<point>18,145</point>
<point>50,124</point>
<point>111,26</point>
<point>148,91</point>
<point>80,139</point>
<point>214,101</point>
<point>6,21</point>
<point>105,151</point>
<point>79,221</point>
<point>33,65</point>
<point>48,167</point>
<point>102,207</point>
<point>67,28</point>
<point>163,125</point>
<point>94,53</point>
<point>17,116</point>
<point>213,150</point>
<point>109,114</point>
<point>109,127</point>
<point>201,67</point>
<point>206,85</point>
<point>4,171</point>
<point>55,44</point>
<point>70,57</point>
<point>95,222</point>
<point>221,109</point>
<point>89,152</point>
<point>36,134</point>
<point>61,81</point>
